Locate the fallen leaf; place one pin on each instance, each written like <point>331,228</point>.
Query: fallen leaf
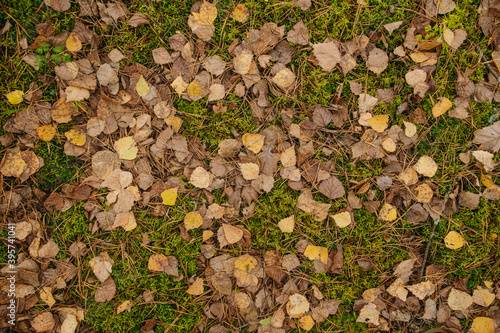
<point>126,148</point>
<point>231,233</point>
<point>488,137</point>
<point>47,132</point>
<point>379,123</point>
<point>342,219</point>
<point>287,224</point>
<point>388,213</point>
<point>377,60</point>
<point>169,196</point>
<point>483,296</point>
<point>142,87</point>
<point>201,178</point>
<point>163,263</point>
<point>441,107</point>
<point>426,166</point>
<point>46,296</point>
<point>306,323</point>
<point>76,137</point>
<point>297,306</point>
<point>486,159</point>
<point>369,315</point>
<point>179,85</point>
<point>58,5</point>
<point>253,142</point>
<point>43,322</point>
<point>240,13</point>
<point>207,234</point>
<point>423,193</point>
<point>124,306</point>
<point>12,165</point>
<point>106,291</point>
<point>245,263</point>
<point>410,129</point>
<point>207,14</point>
<point>454,240</point>
<point>249,171</point>
<point>482,325</point>
<point>328,55</point>
<point>73,43</point>
<point>306,203</point>
<point>15,97</point>
<point>284,78</point>
<point>192,220</point>
<point>299,34</point>
<point>316,252</point>
<point>102,265</point>
<point>422,289</point>
<point>459,300</point>
<point>196,288</point>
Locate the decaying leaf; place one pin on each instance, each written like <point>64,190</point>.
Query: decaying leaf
<point>196,288</point>
<point>426,166</point>
<point>192,220</point>
<point>102,265</point>
<point>459,300</point>
<point>201,178</point>
<point>454,240</point>
<point>317,209</point>
<point>342,219</point>
<point>379,123</point>
<point>253,142</point>
<point>240,13</point>
<point>328,55</point>
<point>297,306</point>
<point>388,213</point>
<point>287,224</point>
<point>164,264</point>
<point>441,107</point>
<point>126,148</point>
<point>369,314</point>
<point>482,325</point>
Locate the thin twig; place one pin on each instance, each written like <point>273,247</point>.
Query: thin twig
<point>487,63</point>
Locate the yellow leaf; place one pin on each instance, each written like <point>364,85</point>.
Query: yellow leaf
<point>441,107</point>
<point>207,234</point>
<point>423,193</point>
<point>316,252</point>
<point>287,224</point>
<point>76,137</point>
<point>47,132</point>
<point>254,142</point>
<point>306,323</point>
<point>125,306</point>
<point>174,121</point>
<point>410,129</point>
<point>207,14</point>
<point>343,219</point>
<point>240,13</point>
<point>196,288</point>
<point>487,181</point>
<point>192,220</point>
<point>126,148</point>
<point>245,263</point>
<point>142,87</point>
<point>15,97</point>
<point>73,43</point>
<point>379,123</point>
<point>169,196</point>
<point>454,240</point>
<point>388,213</point>
<point>482,325</point>
<point>179,85</point>
<point>426,166</point>
<point>12,165</point>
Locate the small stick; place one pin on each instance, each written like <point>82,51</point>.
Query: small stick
<point>431,237</point>
<point>487,63</point>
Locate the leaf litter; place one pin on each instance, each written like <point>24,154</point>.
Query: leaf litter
<point>132,122</point>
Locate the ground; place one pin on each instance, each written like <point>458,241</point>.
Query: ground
<point>386,243</point>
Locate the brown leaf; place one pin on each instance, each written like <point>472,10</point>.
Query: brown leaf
<point>43,322</point>
<point>106,291</point>
<point>58,5</point>
<point>306,203</point>
<point>328,55</point>
<point>299,34</point>
<point>165,264</point>
<point>377,61</point>
<point>488,137</point>
<point>332,188</point>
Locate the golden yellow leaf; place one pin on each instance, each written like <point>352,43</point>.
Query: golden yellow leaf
<point>169,196</point>
<point>316,252</point>
<point>192,220</point>
<point>254,142</point>
<point>426,166</point>
<point>126,148</point>
<point>245,263</point>
<point>15,97</point>
<point>12,165</point>
<point>46,132</point>
<point>306,323</point>
<point>423,193</point>
<point>287,224</point>
<point>249,171</point>
<point>179,85</point>
<point>388,213</point>
<point>207,234</point>
<point>342,219</point>
<point>482,325</point>
<point>142,87</point>
<point>207,14</point>
<point>76,137</point>
<point>73,43</point>
<point>240,13</point>
<point>454,240</point>
<point>441,107</point>
<point>410,129</point>
<point>125,306</point>
<point>379,123</point>
<point>196,288</point>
